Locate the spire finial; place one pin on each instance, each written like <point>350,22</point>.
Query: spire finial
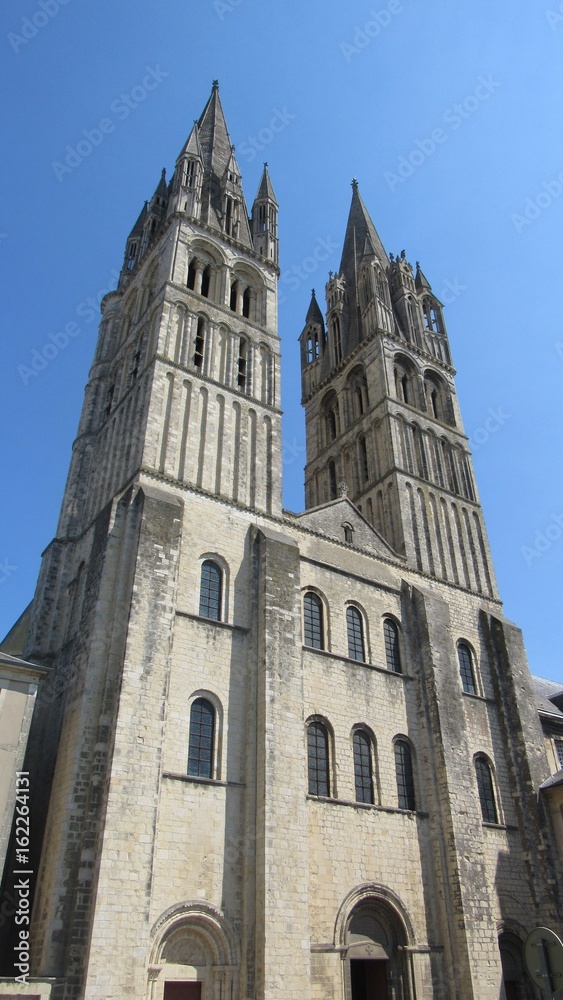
<point>354,184</point>
<point>313,293</point>
<point>215,86</point>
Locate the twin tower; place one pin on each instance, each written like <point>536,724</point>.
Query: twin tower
<point>277,755</point>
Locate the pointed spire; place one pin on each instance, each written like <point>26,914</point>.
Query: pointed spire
<point>138,227</point>
<point>192,146</point>
<point>359,229</point>
<point>161,190</point>
<point>265,189</point>
<point>214,137</point>
<point>421,281</point>
<point>314,314</point>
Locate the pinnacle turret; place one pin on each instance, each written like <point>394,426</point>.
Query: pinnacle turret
<point>264,222</point>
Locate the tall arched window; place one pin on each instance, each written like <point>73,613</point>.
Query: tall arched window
<point>210,590</point>
<point>202,736</point>
<point>242,357</point>
<point>355,630</point>
<point>486,790</point>
<point>466,668</point>
<point>405,777</point>
<point>332,485</point>
<point>318,759</point>
<point>199,347</point>
<point>313,621</point>
<point>363,770</point>
<point>392,650</point>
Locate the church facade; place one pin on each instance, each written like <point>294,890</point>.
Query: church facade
<point>278,755</point>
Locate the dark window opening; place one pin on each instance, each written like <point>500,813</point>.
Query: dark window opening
<point>363,777</point>
<point>466,669</point>
<point>199,344</point>
<point>246,303</point>
<point>354,627</point>
<point>233,299</point>
<point>392,651</point>
<point>205,279</point>
<point>486,791</point>
<point>317,759</point>
<point>191,274</point>
<point>313,621</point>
<point>210,591</point>
<point>202,731</point>
<point>241,376</point>
<point>404,773</point>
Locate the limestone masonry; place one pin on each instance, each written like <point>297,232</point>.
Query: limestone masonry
<point>276,756</point>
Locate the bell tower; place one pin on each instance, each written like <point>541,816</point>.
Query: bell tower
<point>382,414</point>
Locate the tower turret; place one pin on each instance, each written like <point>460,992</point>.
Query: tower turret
<point>313,342</point>
<point>264,224</point>
<point>188,177</point>
<point>382,414</point>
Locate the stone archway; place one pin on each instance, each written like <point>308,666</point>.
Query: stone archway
<point>374,934</point>
<point>194,955</point>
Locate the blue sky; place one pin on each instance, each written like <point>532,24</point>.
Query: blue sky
<point>450,117</point>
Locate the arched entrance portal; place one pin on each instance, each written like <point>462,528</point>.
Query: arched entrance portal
<point>377,967</point>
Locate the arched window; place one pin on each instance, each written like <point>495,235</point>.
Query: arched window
<point>246,303</point>
<point>466,668</point>
<point>392,650</point>
<point>486,790</point>
<point>318,759</point>
<point>332,479</point>
<point>363,456</point>
<point>363,771</point>
<point>354,626</point>
<point>202,736</point>
<point>199,347</point>
<point>336,340</point>
<point>210,590</point>
<point>313,621</point>
<point>241,372</point>
<point>404,773</point>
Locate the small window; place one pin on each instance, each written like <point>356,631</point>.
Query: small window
<point>559,752</point>
<point>241,373</point>
<point>404,773</point>
<point>466,668</point>
<point>354,626</point>
<point>199,344</point>
<point>317,759</point>
<point>486,790</point>
<point>392,651</point>
<point>313,621</point>
<point>210,591</point>
<point>333,489</point>
<point>363,772</point>
<point>191,274</point>
<point>202,735</point>
<point>348,533</point>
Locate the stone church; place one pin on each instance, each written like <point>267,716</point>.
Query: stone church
<point>276,755</point>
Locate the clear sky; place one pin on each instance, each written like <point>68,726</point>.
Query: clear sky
<point>450,116</point>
